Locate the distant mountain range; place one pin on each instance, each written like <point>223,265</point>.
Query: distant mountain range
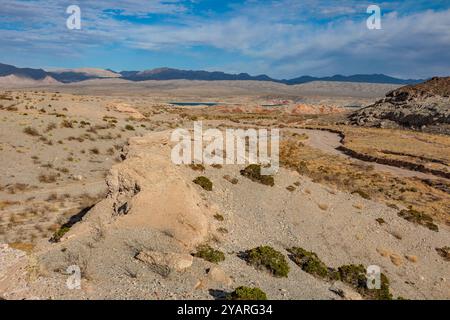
<point>76,75</point>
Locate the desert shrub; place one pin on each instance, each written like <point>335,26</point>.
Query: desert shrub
<point>266,257</point>
<point>362,194</point>
<point>253,172</point>
<point>47,178</point>
<point>444,253</point>
<point>197,167</point>
<point>66,124</point>
<point>246,293</point>
<point>355,276</point>
<point>290,188</point>
<point>419,218</point>
<point>309,262</point>
<point>207,253</point>
<point>219,217</point>
<point>204,182</point>
<point>59,234</point>
<point>129,127</point>
<point>31,131</point>
<point>50,127</point>
<point>94,151</point>
<point>222,230</point>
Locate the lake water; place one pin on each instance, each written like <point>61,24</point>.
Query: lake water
<point>193,104</point>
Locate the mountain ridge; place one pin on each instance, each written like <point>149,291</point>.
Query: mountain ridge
<point>165,73</point>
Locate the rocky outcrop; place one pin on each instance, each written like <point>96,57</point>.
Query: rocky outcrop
<point>147,191</point>
<point>128,110</point>
<point>424,106</point>
<point>166,262</point>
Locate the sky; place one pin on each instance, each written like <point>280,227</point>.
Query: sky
<point>281,38</point>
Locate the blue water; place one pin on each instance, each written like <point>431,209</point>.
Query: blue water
<point>193,104</point>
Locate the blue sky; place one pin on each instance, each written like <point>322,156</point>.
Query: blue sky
<point>281,38</point>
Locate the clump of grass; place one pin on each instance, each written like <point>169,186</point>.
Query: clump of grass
<point>129,127</point>
<point>247,293</point>
<point>207,253</point>
<point>309,262</point>
<point>266,257</point>
<point>362,194</point>
<point>253,172</point>
<point>31,131</point>
<point>204,182</point>
<point>419,218</point>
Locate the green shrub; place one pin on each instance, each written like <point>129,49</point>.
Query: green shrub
<point>207,253</point>
<point>419,218</point>
<point>310,263</point>
<point>355,276</point>
<point>204,182</point>
<point>246,293</point>
<point>59,233</point>
<point>268,258</point>
<point>253,172</point>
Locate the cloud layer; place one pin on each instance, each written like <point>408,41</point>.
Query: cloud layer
<point>283,38</point>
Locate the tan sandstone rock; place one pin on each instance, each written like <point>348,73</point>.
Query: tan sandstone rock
<point>174,261</point>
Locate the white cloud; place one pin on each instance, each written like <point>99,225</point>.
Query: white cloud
<point>282,37</point>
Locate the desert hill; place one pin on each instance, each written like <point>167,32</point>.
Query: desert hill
<point>424,106</point>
